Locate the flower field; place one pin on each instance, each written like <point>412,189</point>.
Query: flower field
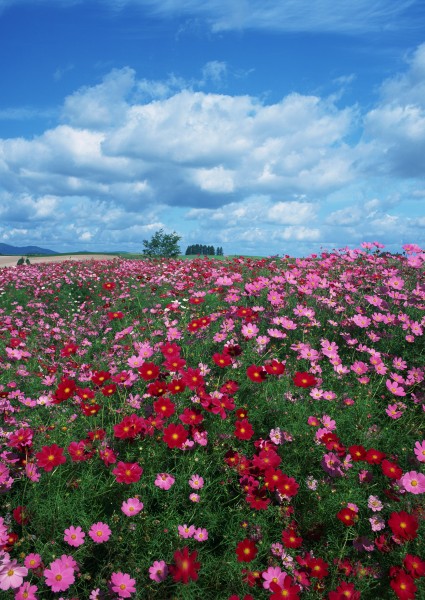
<point>214,429</point>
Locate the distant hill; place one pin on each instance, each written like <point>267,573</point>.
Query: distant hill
<point>7,249</point>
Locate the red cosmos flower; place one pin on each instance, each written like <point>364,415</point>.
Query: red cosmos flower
<point>246,550</point>
<point>348,516</point>
<point>287,590</point>
<point>244,312</point>
<point>204,321</point>
<point>344,591</point>
<point>194,325</point>
<point>50,457</point>
<point>174,363</point>
<point>374,457</point>
<point>148,371</point>
<point>96,434</point>
<point>109,390</point>
<point>257,374</point>
<point>193,378</point>
<point>391,469</point>
<point>77,451</point>
<point>99,377</point>
<point>288,487</point>
<point>176,386</point>
<point>185,566</point>
<point>21,515</point>
<point>244,430</point>
<point>129,427</point>
<point>415,565</point>
<point>108,456</point>
<point>266,459</point>
<point>403,525</point>
<point>69,349</point>
<point>318,568</point>
<point>222,360</point>
<point>65,390</point>
<point>127,472</point>
<point>170,350</point>
<point>404,586</point>
<point>257,499</point>
<point>20,438</point>
<point>85,393</point>
<point>164,407</point>
<point>275,368</point>
<point>232,349</point>
<point>191,416</point>
<point>304,380</point>
<point>273,478</point>
<point>108,285</point>
<point>290,538</point>
<point>175,435</point>
<point>157,388</point>
<point>117,314</point>
<point>231,458</point>
<point>357,453</point>
<point>196,300</point>
<point>90,409</point>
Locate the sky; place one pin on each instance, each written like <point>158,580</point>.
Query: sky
<point>261,126</point>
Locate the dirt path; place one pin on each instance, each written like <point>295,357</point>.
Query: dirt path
<point>10,261</point>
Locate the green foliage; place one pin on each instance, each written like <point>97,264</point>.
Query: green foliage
<point>162,245</point>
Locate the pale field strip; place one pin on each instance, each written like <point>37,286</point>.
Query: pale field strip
<point>10,261</point>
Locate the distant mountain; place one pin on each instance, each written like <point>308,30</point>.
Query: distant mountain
<point>7,249</point>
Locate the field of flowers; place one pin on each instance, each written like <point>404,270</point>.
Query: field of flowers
<point>214,429</point>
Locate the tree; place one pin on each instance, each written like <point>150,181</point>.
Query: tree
<point>162,244</point>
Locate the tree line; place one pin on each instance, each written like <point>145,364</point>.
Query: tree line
<point>204,250</point>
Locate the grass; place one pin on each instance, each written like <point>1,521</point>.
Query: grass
<point>62,326</point>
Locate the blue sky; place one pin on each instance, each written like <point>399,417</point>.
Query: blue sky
<point>262,126</point>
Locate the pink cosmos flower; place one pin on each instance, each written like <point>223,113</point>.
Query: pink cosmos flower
<point>185,531</point>
<point>59,576</point>
<point>374,503</point>
<point>32,561</point>
<point>273,575</point>
<point>196,482</point>
<point>26,592</point>
<point>413,482</point>
<point>394,388</point>
<point>74,536</point>
<point>158,571</point>
<point>393,411</point>
<point>12,575</point>
<point>195,497</point>
<point>122,584</point>
<point>131,507</point>
<point>100,532</point>
<point>200,535</point>
<point>164,481</point>
<point>420,451</point>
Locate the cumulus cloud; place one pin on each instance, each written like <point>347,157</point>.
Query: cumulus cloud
<point>395,128</point>
<point>164,154</point>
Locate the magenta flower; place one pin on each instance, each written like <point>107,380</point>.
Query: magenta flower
<point>74,536</point>
<point>32,561</point>
<point>273,575</point>
<point>164,481</point>
<point>158,571</point>
<point>185,531</point>
<point>100,532</point>
<point>196,482</point>
<point>122,584</point>
<point>200,535</point>
<point>413,482</point>
<point>131,507</point>
<point>394,388</point>
<point>59,576</point>
<point>26,592</point>
<point>12,575</point>
<point>420,451</point>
